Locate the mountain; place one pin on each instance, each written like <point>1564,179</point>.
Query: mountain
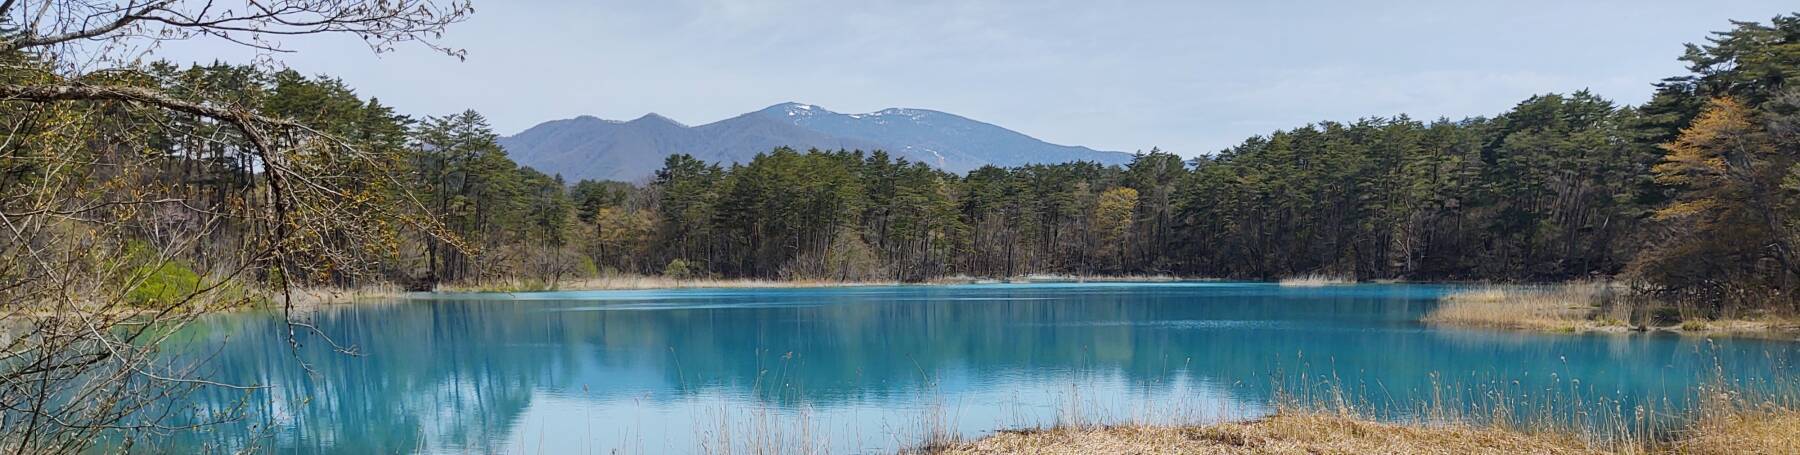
<point>591,148</point>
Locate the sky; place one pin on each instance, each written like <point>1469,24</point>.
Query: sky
<point>1190,77</point>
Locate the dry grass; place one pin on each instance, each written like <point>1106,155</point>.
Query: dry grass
<point>316,296</point>
<point>1764,326</point>
<point>1316,280</point>
<point>1731,422</point>
<point>1765,430</point>
<point>1725,419</point>
<point>1282,433</point>
<point>1578,307</point>
<point>638,282</point>
<point>1569,307</point>
<point>1743,431</point>
<point>642,282</point>
<point>1052,278</point>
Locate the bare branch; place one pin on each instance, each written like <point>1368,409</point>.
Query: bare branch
<point>379,23</point>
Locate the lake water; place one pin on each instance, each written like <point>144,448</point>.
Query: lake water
<point>874,369</point>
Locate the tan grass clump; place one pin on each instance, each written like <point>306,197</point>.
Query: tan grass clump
<point>316,296</point>
<point>639,282</point>
<point>1316,280</point>
<point>1567,307</point>
<point>1750,431</point>
<point>1296,433</point>
<point>1731,422</point>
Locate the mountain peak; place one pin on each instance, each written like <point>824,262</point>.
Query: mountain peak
<point>793,109</point>
<point>585,150</point>
<point>655,118</point>
<point>591,119</point>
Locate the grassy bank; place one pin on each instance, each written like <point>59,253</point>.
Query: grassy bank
<point>638,282</point>
<point>1591,307</point>
<point>1281,433</point>
<point>324,295</point>
<point>315,296</point>
<point>1573,307</point>
<point>643,282</point>
<point>1315,280</point>
<point>1745,432</point>
<point>1722,421</point>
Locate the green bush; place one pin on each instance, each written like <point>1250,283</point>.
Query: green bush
<point>158,281</point>
<point>681,269</point>
<point>586,268</point>
<point>154,281</point>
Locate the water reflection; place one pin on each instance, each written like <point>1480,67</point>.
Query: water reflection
<point>859,369</point>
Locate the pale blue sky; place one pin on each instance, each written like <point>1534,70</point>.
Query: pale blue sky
<point>1192,77</point>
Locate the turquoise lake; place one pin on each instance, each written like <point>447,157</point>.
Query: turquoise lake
<point>876,369</point>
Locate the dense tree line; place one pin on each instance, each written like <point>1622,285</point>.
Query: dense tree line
<point>137,198</point>
<point>1692,193</point>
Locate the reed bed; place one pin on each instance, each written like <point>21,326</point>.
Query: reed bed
<point>1748,432</point>
<point>1726,422</point>
<point>640,282</point>
<point>1053,278</point>
<point>1314,413</point>
<point>643,282</point>
<point>1316,280</point>
<point>1563,308</point>
<point>1763,433</point>
<point>316,296</point>
<point>1281,433</point>
<point>1594,307</point>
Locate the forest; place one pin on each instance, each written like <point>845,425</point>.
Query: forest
<point>137,197</point>
<point>1693,193</point>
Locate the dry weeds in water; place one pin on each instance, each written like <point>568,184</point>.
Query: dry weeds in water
<point>1727,424</point>
<point>1562,308</point>
<point>1280,433</point>
<point>1751,415</point>
<point>319,296</point>
<point>1316,280</point>
<point>1588,306</point>
<point>647,282</point>
<point>644,282</point>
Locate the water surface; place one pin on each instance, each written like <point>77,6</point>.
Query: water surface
<point>874,369</point>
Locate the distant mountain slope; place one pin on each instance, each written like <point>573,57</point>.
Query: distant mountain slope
<point>591,148</point>
<point>949,141</point>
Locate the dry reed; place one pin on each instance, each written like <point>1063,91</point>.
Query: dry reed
<point>1316,280</point>
<point>1281,433</point>
<point>1562,308</point>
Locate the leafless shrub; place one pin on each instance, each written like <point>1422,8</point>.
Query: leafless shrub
<point>103,258</point>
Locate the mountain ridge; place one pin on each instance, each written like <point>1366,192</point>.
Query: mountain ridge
<point>589,147</point>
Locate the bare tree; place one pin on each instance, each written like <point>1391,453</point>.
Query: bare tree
<point>92,272</point>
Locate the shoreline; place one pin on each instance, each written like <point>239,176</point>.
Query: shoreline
<point>1742,430</point>
<point>322,296</point>
<point>1745,328</point>
<point>1282,432</point>
<point>1567,308</point>
<point>1588,308</point>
